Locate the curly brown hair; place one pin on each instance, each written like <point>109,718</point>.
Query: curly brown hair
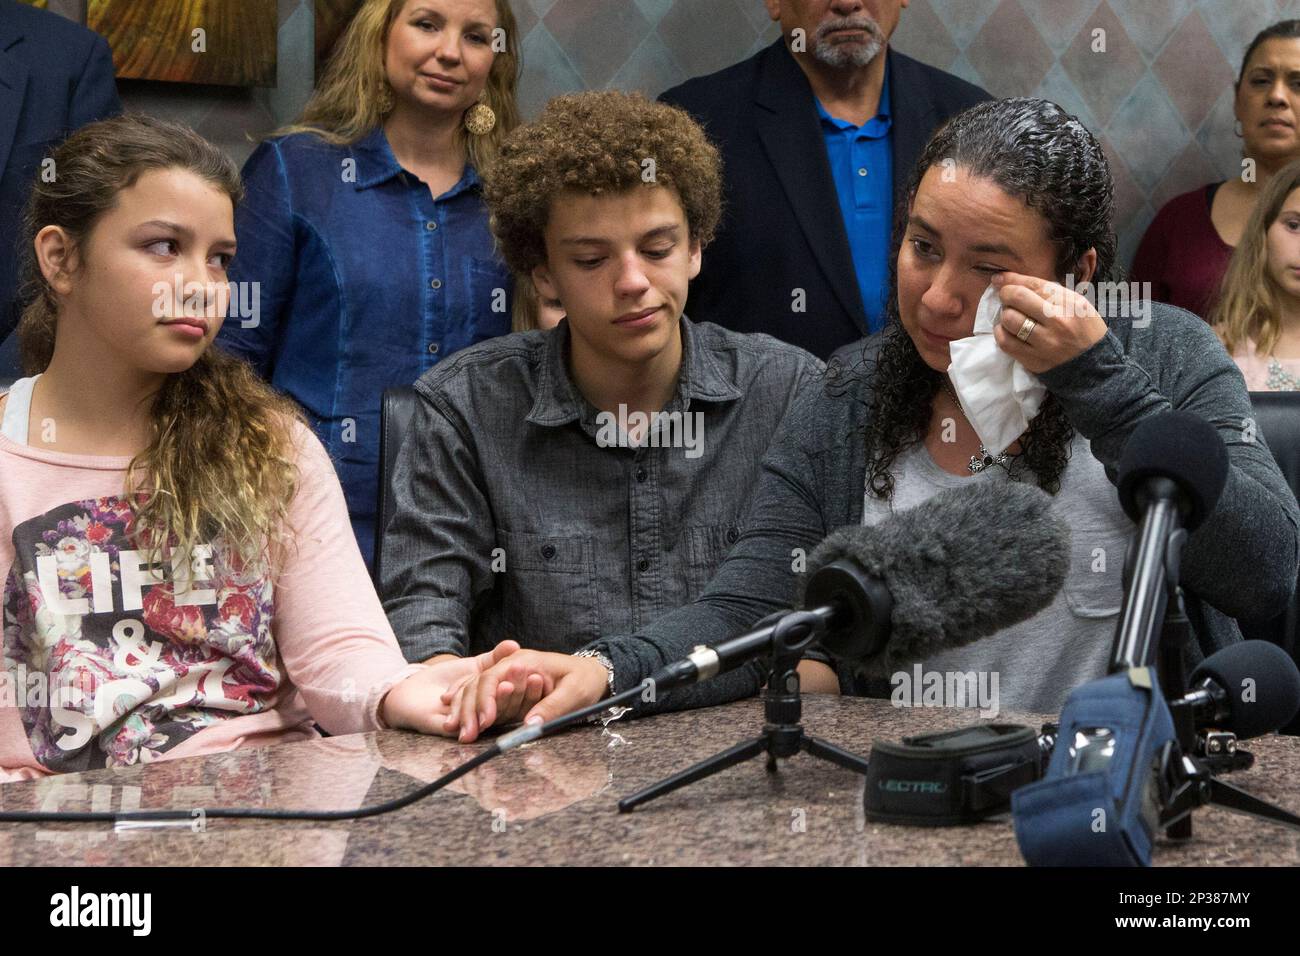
<point>594,143</point>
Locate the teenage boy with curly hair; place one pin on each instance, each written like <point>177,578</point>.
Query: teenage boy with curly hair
<point>556,486</point>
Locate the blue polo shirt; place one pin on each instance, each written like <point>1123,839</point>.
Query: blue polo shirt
<point>862,165</point>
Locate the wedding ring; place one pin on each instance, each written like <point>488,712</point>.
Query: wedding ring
<point>1026,330</point>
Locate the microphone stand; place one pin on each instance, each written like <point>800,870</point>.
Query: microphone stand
<point>783,734</point>
<point>1185,772</point>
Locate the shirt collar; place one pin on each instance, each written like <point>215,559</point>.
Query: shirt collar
<point>559,401</point>
<point>877,125</point>
<point>376,164</point>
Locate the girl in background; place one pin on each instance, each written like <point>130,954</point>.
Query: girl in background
<point>179,573</point>
<point>1258,315</point>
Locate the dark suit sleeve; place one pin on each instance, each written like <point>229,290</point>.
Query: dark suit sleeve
<point>680,97</point>
<point>95,97</point>
<point>672,95</point>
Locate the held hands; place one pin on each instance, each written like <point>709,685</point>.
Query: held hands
<point>1065,323</point>
<point>536,686</point>
<point>507,684</point>
<point>417,702</point>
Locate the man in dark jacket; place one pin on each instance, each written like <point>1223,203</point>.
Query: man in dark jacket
<point>55,76</point>
<point>818,133</point>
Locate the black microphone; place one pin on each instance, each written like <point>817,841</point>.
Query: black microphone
<point>963,565</point>
<point>1251,688</point>
<point>1171,473</point>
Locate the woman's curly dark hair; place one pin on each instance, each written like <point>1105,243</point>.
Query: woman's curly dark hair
<point>1036,151</point>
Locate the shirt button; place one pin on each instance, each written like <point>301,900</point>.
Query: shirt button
<point>431,226</point>
<point>643,565</point>
<point>862,171</point>
<point>548,552</point>
<point>640,474</point>
<point>732,535</point>
<point>436,284</point>
<point>433,348</point>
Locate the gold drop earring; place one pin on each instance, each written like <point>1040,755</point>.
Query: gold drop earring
<point>480,119</point>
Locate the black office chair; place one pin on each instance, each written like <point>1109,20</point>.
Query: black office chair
<point>1277,417</point>
<point>396,411</point>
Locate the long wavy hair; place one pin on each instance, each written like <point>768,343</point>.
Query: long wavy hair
<point>219,459</point>
<point>345,105</point>
<point>1034,150</point>
<point>1249,306</point>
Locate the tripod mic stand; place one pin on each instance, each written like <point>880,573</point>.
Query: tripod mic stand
<point>1187,783</point>
<point>783,734</point>
<point>1184,774</point>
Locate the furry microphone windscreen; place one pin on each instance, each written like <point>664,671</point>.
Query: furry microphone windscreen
<point>961,566</point>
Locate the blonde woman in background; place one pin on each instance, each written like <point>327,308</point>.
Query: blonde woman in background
<point>364,250</point>
<point>532,311</point>
<point>1258,316</point>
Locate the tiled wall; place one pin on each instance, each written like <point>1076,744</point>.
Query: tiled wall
<point>1159,96</point>
<point>646,45</point>
<point>236,118</point>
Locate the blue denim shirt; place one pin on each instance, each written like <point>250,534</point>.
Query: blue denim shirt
<point>364,281</point>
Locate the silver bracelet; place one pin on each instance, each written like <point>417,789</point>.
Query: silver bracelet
<point>612,713</point>
<point>606,663</point>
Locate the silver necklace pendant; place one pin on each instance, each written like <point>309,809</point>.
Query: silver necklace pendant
<point>984,460</point>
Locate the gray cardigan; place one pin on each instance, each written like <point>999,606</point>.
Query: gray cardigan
<point>1241,563</point>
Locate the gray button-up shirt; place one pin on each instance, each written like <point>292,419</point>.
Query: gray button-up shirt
<point>519,513</point>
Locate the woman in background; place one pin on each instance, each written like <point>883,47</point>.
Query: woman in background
<point>1258,315</point>
<point>365,255</point>
<point>1185,251</point>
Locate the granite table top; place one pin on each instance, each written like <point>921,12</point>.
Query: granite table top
<point>555,802</point>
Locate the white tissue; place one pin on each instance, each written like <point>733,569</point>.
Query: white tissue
<point>999,396</point>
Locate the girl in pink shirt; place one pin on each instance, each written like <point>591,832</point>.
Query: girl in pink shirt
<point>180,576</point>
<point>1258,315</point>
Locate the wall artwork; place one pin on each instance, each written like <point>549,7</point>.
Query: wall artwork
<point>220,42</point>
